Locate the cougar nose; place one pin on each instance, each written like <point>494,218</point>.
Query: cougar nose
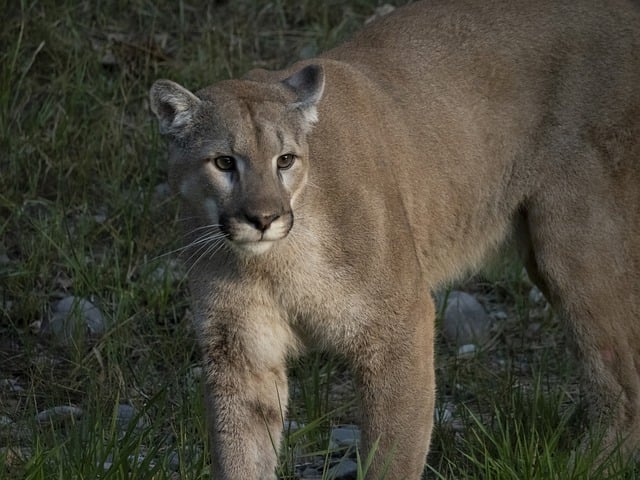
<point>262,222</point>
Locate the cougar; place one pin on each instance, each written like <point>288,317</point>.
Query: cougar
<point>323,203</point>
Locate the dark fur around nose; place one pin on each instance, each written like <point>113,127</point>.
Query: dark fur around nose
<point>261,221</point>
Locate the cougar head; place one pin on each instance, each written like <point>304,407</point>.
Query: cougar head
<point>238,153</point>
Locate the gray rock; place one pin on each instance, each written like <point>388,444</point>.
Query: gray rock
<point>14,456</point>
<point>467,351</point>
<point>5,421</point>
<point>536,297</point>
<point>131,459</point>
<point>465,320</point>
<point>344,436</point>
<point>59,415</point>
<point>443,414</point>
<point>10,385</point>
<point>500,315</point>
<point>379,12</point>
<point>188,455</point>
<point>174,461</point>
<point>170,272</point>
<point>292,426</point>
<point>72,319</point>
<point>126,416</point>
<point>347,469</point>
<point>310,474</point>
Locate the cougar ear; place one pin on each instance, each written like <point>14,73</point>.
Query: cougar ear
<point>174,106</point>
<point>308,85</point>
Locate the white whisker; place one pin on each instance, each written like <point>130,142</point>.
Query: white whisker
<point>209,250</point>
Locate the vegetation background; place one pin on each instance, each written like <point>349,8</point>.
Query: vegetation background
<point>85,212</point>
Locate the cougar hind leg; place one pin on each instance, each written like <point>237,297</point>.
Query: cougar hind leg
<point>582,251</point>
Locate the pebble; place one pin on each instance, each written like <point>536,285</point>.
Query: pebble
<point>5,421</point>
<point>72,318</point>
<point>536,297</point>
<point>467,351</point>
<point>14,456</point>
<point>500,315</point>
<point>59,415</point>
<point>132,459</point>
<point>343,441</point>
<point>379,12</point>
<point>170,272</point>
<point>190,455</point>
<point>344,437</point>
<point>11,385</point>
<point>310,473</point>
<point>292,425</point>
<point>443,414</point>
<point>465,320</point>
<point>126,416</point>
<point>346,469</point>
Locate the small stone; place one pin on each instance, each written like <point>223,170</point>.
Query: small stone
<point>126,416</point>
<point>347,469</point>
<point>5,421</point>
<point>379,12</point>
<point>59,415</point>
<point>500,315</point>
<point>174,461</point>
<point>292,426</point>
<point>14,456</point>
<point>131,459</point>
<point>189,455</point>
<point>536,297</point>
<point>310,473</point>
<point>35,327</point>
<point>72,318</point>
<point>443,414</point>
<point>169,272</point>
<point>11,385</point>
<point>467,351</point>
<point>465,320</point>
<point>138,460</point>
<point>344,436</point>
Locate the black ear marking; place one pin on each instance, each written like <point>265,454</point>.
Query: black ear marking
<point>308,84</point>
<point>173,105</point>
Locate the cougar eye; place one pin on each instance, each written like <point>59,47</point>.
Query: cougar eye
<point>285,161</point>
<point>225,163</point>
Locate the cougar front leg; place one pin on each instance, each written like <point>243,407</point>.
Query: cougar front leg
<point>246,395</point>
<point>395,374</point>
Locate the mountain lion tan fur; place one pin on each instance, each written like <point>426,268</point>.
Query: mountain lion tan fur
<point>325,202</point>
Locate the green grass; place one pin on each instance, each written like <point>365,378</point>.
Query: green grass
<point>80,214</point>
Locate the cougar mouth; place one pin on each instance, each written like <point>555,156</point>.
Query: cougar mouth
<point>256,234</point>
<point>255,248</point>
